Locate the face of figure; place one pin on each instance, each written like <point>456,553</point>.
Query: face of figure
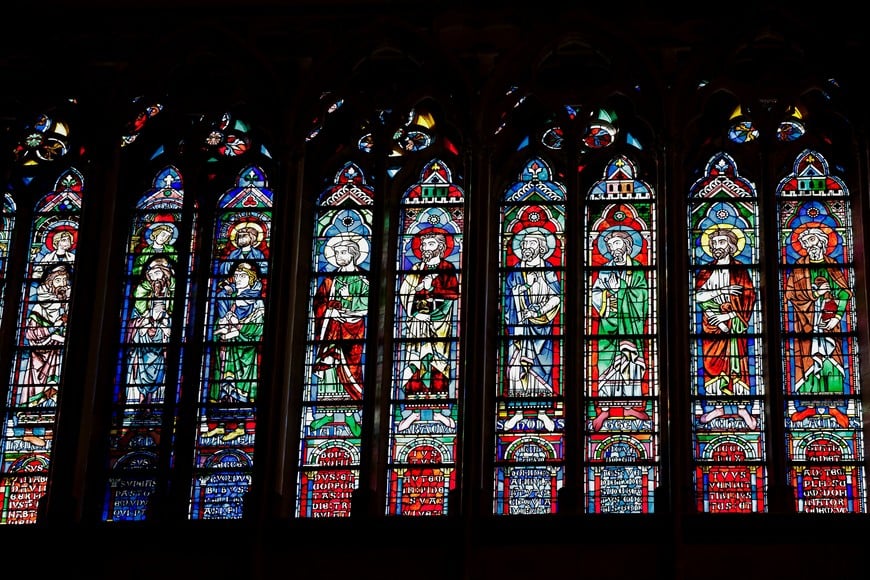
<point>59,285</point>
<point>814,245</point>
<point>241,279</point>
<point>63,242</point>
<point>159,279</point>
<point>617,248</point>
<point>155,273</point>
<point>245,239</point>
<point>161,236</point>
<point>430,248</point>
<point>720,247</point>
<point>531,249</point>
<point>343,255</point>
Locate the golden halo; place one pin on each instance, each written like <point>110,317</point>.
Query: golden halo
<point>738,233</point>
<point>247,225</point>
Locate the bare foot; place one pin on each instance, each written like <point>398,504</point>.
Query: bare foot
<point>511,423</point>
<point>751,423</point>
<point>409,420</point>
<point>599,420</point>
<point>709,416</point>
<point>549,425</point>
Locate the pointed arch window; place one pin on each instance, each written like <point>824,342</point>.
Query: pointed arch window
<point>726,349</point>
<point>425,395</point>
<point>233,348</point>
<point>381,390</point>
<point>530,424</point>
<point>335,376</point>
<point>188,368</point>
<point>821,365</point>
<point>621,345</point>
<point>577,412</point>
<point>36,379</point>
<point>156,309</point>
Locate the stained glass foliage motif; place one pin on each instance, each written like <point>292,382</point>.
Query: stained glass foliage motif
<point>425,391</point>
<point>725,352</point>
<point>30,414</point>
<point>334,385</point>
<point>621,349</point>
<point>233,349</point>
<point>530,414</point>
<point>7,228</point>
<point>147,369</point>
<point>821,371</point>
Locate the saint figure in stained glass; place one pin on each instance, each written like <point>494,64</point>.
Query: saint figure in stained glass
<point>532,303</point>
<point>819,294</point>
<point>428,293</point>
<point>46,333</point>
<point>340,309</point>
<point>149,330</point>
<point>726,296</point>
<point>620,296</point>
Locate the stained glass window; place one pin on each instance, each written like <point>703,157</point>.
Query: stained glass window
<point>821,372</point>
<point>390,407</point>
<point>238,286</point>
<point>530,423</point>
<point>335,382</point>
<point>725,330</point>
<point>36,380</point>
<point>155,309</point>
<point>426,370</point>
<point>621,346</point>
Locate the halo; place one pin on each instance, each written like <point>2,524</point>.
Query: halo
<point>449,241</point>
<point>49,237</point>
<point>256,226</point>
<point>635,236</point>
<point>361,242</point>
<point>517,242</point>
<point>152,226</point>
<point>705,236</point>
<point>828,231</point>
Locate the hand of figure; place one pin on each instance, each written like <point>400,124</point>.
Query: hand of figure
<point>718,318</point>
